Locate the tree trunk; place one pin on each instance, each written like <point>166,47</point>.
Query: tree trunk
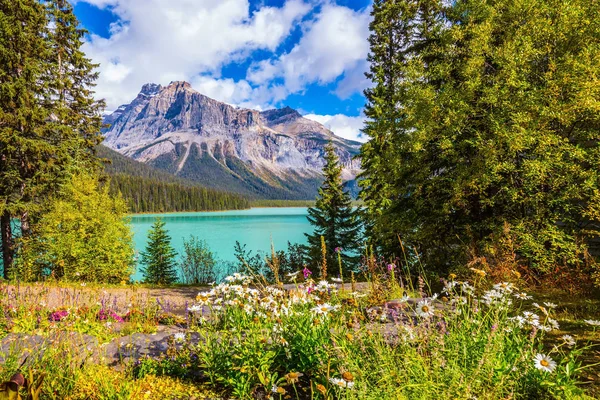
<point>7,243</point>
<point>25,226</point>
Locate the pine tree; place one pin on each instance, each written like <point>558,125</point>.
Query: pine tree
<point>334,219</point>
<point>159,256</point>
<point>23,50</point>
<point>495,130</point>
<point>50,120</point>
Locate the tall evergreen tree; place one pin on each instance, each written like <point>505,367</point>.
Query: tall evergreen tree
<point>50,122</point>
<point>497,127</point>
<point>23,48</point>
<point>334,219</point>
<point>159,256</point>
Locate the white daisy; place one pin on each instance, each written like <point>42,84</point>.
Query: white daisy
<point>592,322</point>
<point>544,363</point>
<point>569,341</point>
<point>424,309</point>
<point>522,296</point>
<point>549,305</point>
<point>341,383</point>
<point>504,286</point>
<point>179,337</point>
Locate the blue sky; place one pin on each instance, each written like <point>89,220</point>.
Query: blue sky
<point>306,54</point>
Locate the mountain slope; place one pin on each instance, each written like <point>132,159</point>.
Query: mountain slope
<point>274,154</point>
<point>147,189</point>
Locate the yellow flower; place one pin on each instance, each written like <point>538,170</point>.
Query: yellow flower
<point>292,377</point>
<point>347,376</point>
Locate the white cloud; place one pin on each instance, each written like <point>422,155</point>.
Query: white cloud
<point>342,125</point>
<point>159,40</point>
<point>334,44</point>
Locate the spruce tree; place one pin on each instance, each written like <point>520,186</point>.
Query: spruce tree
<point>159,256</point>
<point>23,51</point>
<point>495,130</point>
<point>334,220</point>
<point>50,120</point>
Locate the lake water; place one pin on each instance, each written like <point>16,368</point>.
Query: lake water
<point>255,227</point>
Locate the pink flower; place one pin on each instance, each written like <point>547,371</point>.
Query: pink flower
<point>306,273</point>
<point>58,315</point>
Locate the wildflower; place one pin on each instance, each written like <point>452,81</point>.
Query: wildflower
<point>522,296</point>
<point>550,305</point>
<point>592,322</point>
<point>553,323</point>
<point>544,363</point>
<point>292,377</point>
<point>479,272</point>
<point>467,288</point>
<point>307,273</point>
<point>504,286</point>
<point>531,318</point>
<point>569,341</point>
<point>452,277</point>
<point>323,309</point>
<point>337,280</point>
<point>195,308</point>
<point>424,309</point>
<point>337,250</point>
<point>449,286</point>
<point>341,383</point>
<point>278,389</point>
<point>179,337</point>
<point>322,389</point>
<point>541,308</point>
<point>391,267</point>
<point>348,377</point>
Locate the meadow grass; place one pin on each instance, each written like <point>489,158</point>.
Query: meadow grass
<point>472,340</point>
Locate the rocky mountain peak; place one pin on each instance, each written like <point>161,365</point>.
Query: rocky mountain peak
<point>179,85</point>
<point>150,89</point>
<point>280,115</point>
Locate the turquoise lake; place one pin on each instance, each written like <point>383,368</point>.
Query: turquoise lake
<point>255,228</point>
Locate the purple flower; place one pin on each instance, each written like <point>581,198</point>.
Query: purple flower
<point>103,315</point>
<point>306,273</point>
<point>59,315</point>
<point>337,249</point>
<point>391,267</point>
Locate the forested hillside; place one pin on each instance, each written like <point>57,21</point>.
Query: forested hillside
<point>146,189</point>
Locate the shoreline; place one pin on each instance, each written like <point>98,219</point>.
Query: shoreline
<point>212,211</point>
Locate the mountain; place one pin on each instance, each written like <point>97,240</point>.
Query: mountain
<point>275,154</point>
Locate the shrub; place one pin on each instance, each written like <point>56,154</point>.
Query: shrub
<point>84,236</point>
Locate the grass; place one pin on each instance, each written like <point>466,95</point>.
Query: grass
<point>314,341</point>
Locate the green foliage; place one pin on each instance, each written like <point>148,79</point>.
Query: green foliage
<point>289,261</point>
<point>484,114</point>
<point>50,120</point>
<point>197,264</point>
<point>334,219</point>
<point>84,236</point>
<point>159,256</point>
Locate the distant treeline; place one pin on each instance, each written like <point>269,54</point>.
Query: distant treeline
<point>282,203</point>
<point>147,189</point>
<point>151,195</point>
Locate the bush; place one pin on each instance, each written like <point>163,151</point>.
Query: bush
<point>198,262</point>
<point>84,236</point>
